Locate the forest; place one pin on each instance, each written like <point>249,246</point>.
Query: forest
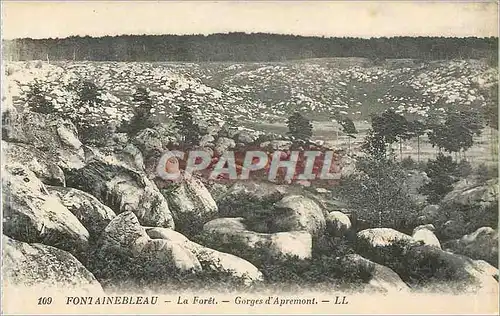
<point>245,47</point>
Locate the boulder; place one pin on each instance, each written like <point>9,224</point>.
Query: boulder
<point>191,204</point>
<point>296,212</point>
<point>338,224</point>
<point>379,277</point>
<point>43,267</point>
<point>56,137</point>
<point>423,265</point>
<point>246,137</point>
<point>425,234</point>
<point>481,244</point>
<point>94,215</point>
<point>124,241</point>
<point>32,215</point>
<point>36,160</point>
<point>121,188</point>
<point>231,235</point>
<point>211,259</point>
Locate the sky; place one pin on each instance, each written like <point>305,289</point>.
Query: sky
<point>50,19</point>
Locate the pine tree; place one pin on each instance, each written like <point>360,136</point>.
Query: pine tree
<point>186,127</point>
<point>300,128</point>
<point>142,111</point>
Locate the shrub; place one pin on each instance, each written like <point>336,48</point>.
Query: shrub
<point>94,134</point>
<point>408,163</point>
<point>36,98</point>
<point>485,173</point>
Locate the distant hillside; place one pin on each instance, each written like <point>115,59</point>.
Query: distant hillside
<point>247,47</point>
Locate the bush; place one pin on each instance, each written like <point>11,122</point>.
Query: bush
<point>36,98</point>
<point>485,173</point>
<point>94,134</point>
<point>464,169</point>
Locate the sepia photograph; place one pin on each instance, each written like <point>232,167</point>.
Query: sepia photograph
<point>249,157</point>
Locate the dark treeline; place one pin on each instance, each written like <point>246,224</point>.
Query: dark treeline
<point>246,47</point>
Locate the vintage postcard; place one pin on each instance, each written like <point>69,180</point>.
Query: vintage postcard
<point>249,157</point>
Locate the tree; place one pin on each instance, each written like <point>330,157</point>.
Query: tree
<point>457,132</point>
<point>348,128</point>
<point>392,127</point>
<point>377,191</point>
<point>36,100</point>
<point>300,128</point>
<point>188,130</point>
<point>374,145</point>
<point>443,172</point>
<point>142,111</point>
<point>416,129</point>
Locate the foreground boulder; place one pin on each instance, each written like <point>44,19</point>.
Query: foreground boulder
<point>45,267</point>
<point>423,265</point>
<point>122,189</point>
<point>160,254</point>
<point>209,258</point>
<point>191,204</point>
<point>481,244</point>
<point>296,212</point>
<point>125,242</point>
<point>232,235</point>
<point>56,137</point>
<point>94,215</point>
<point>32,215</point>
<point>378,277</point>
<point>36,160</point>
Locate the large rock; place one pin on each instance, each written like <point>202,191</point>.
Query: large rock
<point>296,212</point>
<point>43,267</point>
<point>191,204</point>
<point>56,137</point>
<point>481,244</point>
<point>423,265</point>
<point>338,224</point>
<point>379,277</point>
<point>277,145</point>
<point>122,188</point>
<point>125,241</point>
<point>231,235</point>
<point>36,160</point>
<point>425,234</point>
<point>209,258</point>
<point>31,214</point>
<point>94,215</point>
